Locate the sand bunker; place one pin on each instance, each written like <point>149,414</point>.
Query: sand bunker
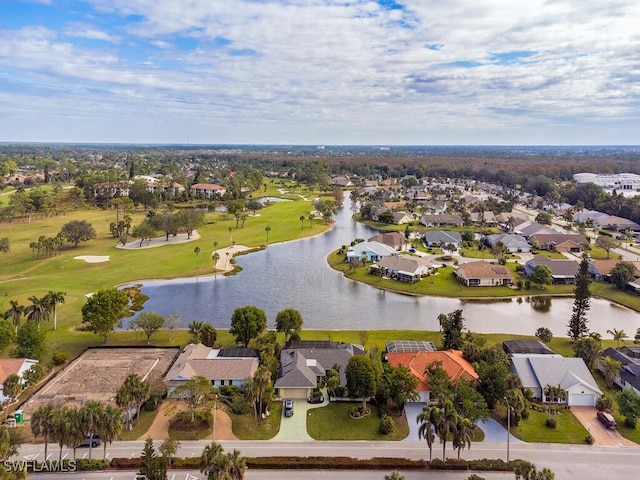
<point>93,258</point>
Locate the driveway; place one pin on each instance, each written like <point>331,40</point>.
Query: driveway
<point>493,431</point>
<point>601,435</point>
<point>294,428</point>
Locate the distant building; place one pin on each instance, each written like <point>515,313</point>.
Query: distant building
<point>484,274</point>
<point>619,181</point>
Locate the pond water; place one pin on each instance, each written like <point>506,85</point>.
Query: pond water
<point>296,275</point>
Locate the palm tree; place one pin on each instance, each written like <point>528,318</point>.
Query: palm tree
<point>53,299</point>
<point>197,252</point>
<point>216,258</point>
<point>444,420</point>
<point>61,428</point>
<point>302,219</point>
<point>618,336</point>
<point>610,369</point>
<point>138,391</point>
<point>195,328</point>
<point>41,424</point>
<point>236,465</point>
<point>426,421</point>
<point>75,435</point>
<point>267,229</point>
<point>462,433</point>
<point>91,414</point>
<point>37,311</point>
<point>14,312</point>
<point>109,427</point>
<point>211,463</point>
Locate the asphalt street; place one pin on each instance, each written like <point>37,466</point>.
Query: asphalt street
<point>567,461</point>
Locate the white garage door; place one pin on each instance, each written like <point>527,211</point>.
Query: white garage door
<point>582,399</point>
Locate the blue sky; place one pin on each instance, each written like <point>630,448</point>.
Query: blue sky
<point>320,71</point>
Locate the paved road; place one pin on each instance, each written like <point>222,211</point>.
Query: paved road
<point>283,475</point>
<point>567,461</point>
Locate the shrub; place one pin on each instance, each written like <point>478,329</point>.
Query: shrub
<point>473,476</point>
<point>519,284</point>
<point>239,406</point>
<point>229,390</point>
<point>59,357</point>
<point>589,440</point>
<point>387,425</point>
<point>630,422</point>
<point>525,414</point>
<point>604,403</point>
<point>551,422</point>
<point>527,285</point>
<point>489,464</point>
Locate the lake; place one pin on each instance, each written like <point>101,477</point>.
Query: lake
<point>296,275</point>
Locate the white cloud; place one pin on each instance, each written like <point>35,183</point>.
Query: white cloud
<point>328,71</point>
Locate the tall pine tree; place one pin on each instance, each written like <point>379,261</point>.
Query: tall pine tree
<point>582,303</point>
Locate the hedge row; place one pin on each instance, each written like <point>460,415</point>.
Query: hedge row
<point>336,463</point>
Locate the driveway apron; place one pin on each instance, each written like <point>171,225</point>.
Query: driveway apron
<point>294,428</point>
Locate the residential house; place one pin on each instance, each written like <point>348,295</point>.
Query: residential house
<point>571,374</point>
<point>434,206</point>
<point>483,274</point>
<point>588,216</point>
<point>111,189</point>
<point>10,366</point>
<point>397,206</point>
<point>432,220</point>
<point>451,361</point>
<point>373,251</point>
<point>512,347</point>
<point>512,242</point>
<point>618,224</point>
<point>559,242</point>
<point>563,272</point>
<point>405,268</point>
<point>402,218</point>
<point>483,218</point>
<point>527,229</point>
<point>207,190</point>
<point>341,181</point>
<point>441,238</point>
<point>301,369</point>
<point>395,240</point>
<point>629,376</point>
<point>600,270</point>
<point>200,360</point>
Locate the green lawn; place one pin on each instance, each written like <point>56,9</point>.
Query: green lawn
<point>334,423</point>
<point>141,426</point>
<point>442,284</point>
<point>534,429</point>
<point>22,275</point>
<point>632,434</point>
<point>248,427</point>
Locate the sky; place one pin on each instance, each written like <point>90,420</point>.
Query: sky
<point>334,72</point>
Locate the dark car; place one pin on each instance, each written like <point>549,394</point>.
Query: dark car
<point>90,441</point>
<point>607,420</point>
<point>288,408</point>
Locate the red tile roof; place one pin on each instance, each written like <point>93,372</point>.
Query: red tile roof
<point>452,362</point>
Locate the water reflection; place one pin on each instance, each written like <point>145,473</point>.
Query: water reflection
<point>296,275</point>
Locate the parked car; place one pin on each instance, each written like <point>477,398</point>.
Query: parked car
<point>607,420</point>
<point>89,440</point>
<point>288,408</point>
